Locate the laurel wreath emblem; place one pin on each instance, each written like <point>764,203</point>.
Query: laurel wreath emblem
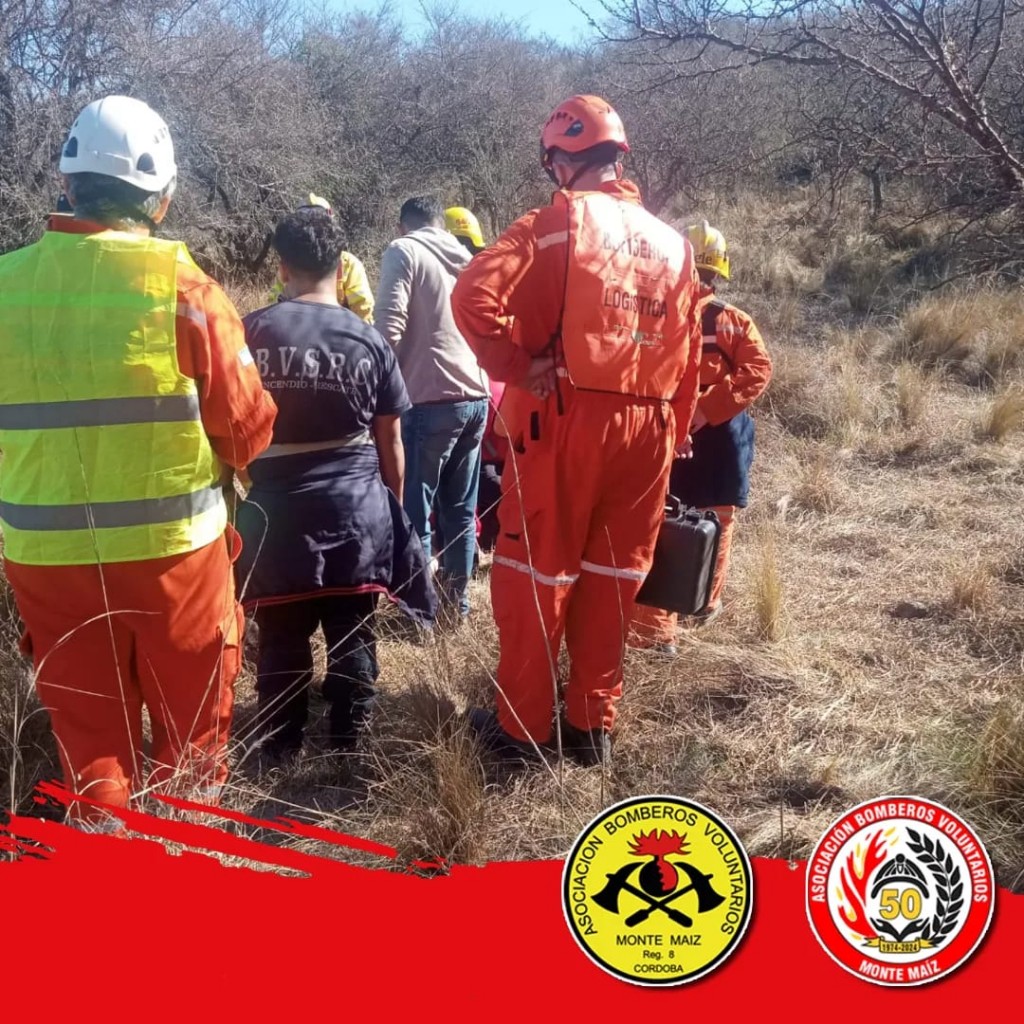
<point>949,887</point>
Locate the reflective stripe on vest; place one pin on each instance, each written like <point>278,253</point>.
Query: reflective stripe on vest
<point>105,458</point>
<point>98,412</point>
<point>628,279</point>
<point>111,514</point>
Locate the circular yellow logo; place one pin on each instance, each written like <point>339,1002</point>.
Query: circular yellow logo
<point>657,890</point>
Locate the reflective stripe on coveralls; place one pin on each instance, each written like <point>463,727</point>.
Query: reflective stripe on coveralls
<point>76,485</point>
<point>579,515</point>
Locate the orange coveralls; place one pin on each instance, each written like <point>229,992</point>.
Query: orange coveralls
<point>735,369</point>
<point>583,486</point>
<point>173,642</point>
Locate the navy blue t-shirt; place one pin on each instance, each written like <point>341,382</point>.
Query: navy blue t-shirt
<point>328,371</point>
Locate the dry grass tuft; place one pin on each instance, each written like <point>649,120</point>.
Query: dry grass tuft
<point>977,335</point>
<point>937,332</point>
<point>996,768</point>
<point>28,754</point>
<point>780,318</point>
<point>441,790</point>
<point>972,588</point>
<point>778,274</point>
<point>817,489</point>
<point>912,394</point>
<point>856,271</point>
<point>769,596</point>
<point>854,402</point>
<point>1004,415</point>
<point>793,397</point>
<point>1012,571</point>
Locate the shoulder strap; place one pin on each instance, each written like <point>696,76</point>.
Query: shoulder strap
<point>709,329</point>
<point>709,320</point>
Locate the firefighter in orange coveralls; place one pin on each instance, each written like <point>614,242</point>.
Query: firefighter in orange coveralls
<point>735,369</point>
<point>125,388</point>
<point>587,310</point>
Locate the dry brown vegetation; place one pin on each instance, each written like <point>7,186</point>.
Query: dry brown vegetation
<point>872,643</point>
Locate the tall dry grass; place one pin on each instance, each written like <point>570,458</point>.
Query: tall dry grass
<point>913,391</point>
<point>977,335</point>
<point>817,486</point>
<point>972,587</point>
<point>769,591</point>
<point>1004,415</point>
<point>996,761</point>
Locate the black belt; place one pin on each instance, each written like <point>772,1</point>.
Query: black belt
<point>453,401</point>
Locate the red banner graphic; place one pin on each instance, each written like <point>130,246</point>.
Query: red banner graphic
<point>129,929</point>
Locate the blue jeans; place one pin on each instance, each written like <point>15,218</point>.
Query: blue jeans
<point>442,472</point>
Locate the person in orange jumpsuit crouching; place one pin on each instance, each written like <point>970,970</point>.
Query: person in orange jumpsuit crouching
<point>125,389</point>
<point>735,369</point>
<point>587,310</point>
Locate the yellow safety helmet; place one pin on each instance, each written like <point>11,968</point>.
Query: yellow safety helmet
<point>460,221</point>
<point>709,248</point>
<point>315,200</point>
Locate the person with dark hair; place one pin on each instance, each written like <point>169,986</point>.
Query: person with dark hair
<point>323,526</point>
<point>126,395</point>
<point>354,290</point>
<point>443,430</point>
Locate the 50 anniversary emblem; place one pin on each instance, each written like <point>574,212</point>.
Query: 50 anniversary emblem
<point>900,891</point>
<point>657,890</point>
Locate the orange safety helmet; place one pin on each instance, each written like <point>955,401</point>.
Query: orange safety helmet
<point>580,124</point>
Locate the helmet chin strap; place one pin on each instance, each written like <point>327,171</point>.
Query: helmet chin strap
<point>579,174</point>
<point>550,172</point>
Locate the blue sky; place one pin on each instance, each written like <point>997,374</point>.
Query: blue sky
<point>555,18</point>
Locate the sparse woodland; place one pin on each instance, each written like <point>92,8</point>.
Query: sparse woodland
<point>865,159</point>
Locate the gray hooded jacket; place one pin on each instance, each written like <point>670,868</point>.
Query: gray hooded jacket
<point>413,312</point>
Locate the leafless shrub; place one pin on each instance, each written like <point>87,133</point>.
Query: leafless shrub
<point>880,100</point>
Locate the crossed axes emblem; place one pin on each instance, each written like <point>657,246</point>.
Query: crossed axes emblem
<point>618,883</point>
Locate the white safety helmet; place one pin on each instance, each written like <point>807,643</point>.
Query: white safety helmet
<point>121,138</point>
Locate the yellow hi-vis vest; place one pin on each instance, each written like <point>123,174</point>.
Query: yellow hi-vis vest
<point>104,456</point>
